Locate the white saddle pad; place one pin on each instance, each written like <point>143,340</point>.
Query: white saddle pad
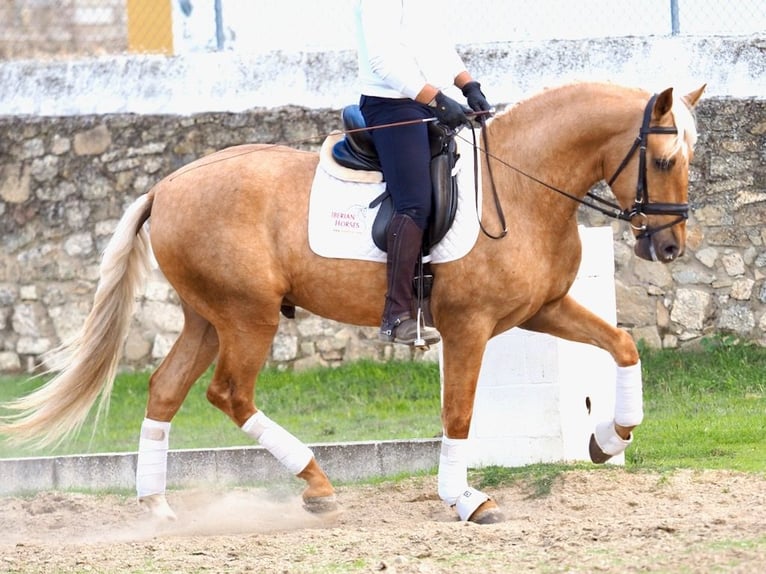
<point>340,219</point>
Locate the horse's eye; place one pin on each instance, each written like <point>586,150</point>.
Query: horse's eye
<point>664,163</point>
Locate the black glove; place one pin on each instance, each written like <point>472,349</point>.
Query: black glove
<point>476,99</point>
<point>448,111</point>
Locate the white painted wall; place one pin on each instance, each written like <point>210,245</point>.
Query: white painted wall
<point>236,81</point>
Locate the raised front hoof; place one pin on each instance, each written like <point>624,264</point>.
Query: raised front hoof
<point>487,513</point>
<point>597,455</point>
<point>158,507</point>
<point>606,443</point>
<point>321,504</point>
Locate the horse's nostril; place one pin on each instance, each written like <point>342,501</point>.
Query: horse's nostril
<point>671,252</point>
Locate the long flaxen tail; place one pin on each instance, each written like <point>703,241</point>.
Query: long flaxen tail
<point>87,365</point>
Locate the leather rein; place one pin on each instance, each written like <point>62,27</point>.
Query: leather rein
<point>641,207</point>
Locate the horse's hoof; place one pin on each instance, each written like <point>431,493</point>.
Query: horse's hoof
<point>597,455</point>
<point>489,516</point>
<point>485,513</point>
<point>158,506</point>
<point>321,504</point>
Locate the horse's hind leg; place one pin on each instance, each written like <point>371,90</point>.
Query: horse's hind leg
<point>233,390</point>
<point>191,354</point>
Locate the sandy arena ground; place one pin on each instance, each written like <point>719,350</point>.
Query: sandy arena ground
<point>606,520</point>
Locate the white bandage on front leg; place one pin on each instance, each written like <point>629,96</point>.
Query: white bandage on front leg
<point>287,449</point>
<point>152,464</point>
<point>453,469</point>
<point>453,479</point>
<point>469,501</point>
<point>629,400</point>
<point>609,441</point>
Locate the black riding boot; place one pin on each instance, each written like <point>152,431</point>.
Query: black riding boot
<point>403,245</point>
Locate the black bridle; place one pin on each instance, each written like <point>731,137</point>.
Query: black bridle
<point>641,207</point>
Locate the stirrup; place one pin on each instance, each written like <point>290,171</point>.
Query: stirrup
<point>423,336</point>
<point>420,342</point>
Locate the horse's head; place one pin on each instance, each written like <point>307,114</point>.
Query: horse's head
<point>657,206</point>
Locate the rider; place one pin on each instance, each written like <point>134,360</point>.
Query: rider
<point>404,63</point>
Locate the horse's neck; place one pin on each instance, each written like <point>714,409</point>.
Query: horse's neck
<point>559,138</point>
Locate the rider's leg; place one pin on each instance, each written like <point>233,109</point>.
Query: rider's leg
<point>405,158</point>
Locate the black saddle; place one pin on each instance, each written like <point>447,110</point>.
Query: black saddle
<point>356,150</point>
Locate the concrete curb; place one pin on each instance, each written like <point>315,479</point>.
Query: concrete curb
<point>223,466</point>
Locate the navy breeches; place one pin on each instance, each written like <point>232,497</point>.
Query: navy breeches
<point>404,152</point>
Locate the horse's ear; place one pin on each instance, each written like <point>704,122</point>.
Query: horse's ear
<point>663,103</point>
<point>692,98</point>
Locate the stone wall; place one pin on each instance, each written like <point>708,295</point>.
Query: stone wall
<point>65,181</point>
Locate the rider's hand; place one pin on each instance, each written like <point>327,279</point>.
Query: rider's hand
<point>448,111</point>
<point>476,99</point>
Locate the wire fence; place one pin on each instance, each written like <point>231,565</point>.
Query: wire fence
<point>34,29</point>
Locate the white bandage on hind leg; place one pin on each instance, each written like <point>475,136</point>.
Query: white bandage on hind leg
<point>453,469</point>
<point>629,401</point>
<point>152,464</point>
<point>288,450</point>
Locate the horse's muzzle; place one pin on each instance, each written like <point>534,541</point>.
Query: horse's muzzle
<point>662,247</point>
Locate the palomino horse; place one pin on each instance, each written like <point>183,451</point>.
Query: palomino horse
<point>229,232</point>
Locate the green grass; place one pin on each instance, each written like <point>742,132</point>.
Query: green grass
<point>538,479</point>
<point>358,401</point>
<point>703,409</point>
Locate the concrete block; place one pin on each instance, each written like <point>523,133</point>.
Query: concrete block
<point>539,397</point>
<point>96,472</point>
<point>416,455</point>
<point>348,461</point>
<point>26,474</point>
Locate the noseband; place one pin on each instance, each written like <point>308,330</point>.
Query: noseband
<point>641,206</point>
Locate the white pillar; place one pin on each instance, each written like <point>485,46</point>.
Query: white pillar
<point>534,389</point>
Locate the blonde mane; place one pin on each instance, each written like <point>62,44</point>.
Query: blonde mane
<point>686,126</point>
<point>683,116</point>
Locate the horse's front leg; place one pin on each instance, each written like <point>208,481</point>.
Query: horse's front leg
<point>462,354</point>
<point>567,319</point>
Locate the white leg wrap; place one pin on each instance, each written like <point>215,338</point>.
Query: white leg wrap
<point>288,450</point>
<point>453,479</point>
<point>453,469</point>
<point>152,464</point>
<point>629,401</point>
<point>607,438</point>
<point>469,501</point>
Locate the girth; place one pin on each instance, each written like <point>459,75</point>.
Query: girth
<point>356,150</point>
